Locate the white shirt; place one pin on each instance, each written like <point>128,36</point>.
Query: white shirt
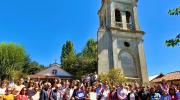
<point>71,92</point>
<point>122,93</point>
<point>2,91</point>
<point>132,96</point>
<point>36,96</point>
<point>92,95</point>
<point>105,95</point>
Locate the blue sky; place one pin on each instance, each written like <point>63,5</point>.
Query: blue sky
<point>43,26</point>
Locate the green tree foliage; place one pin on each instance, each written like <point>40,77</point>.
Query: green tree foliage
<point>86,61</point>
<point>114,76</point>
<point>176,40</point>
<point>12,59</point>
<point>89,56</point>
<point>175,11</point>
<point>82,63</point>
<point>31,67</point>
<point>90,50</point>
<point>68,56</point>
<point>14,62</point>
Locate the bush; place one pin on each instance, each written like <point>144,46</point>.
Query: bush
<point>113,76</point>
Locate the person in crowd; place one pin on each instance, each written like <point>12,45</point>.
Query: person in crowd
<point>92,95</point>
<point>3,86</point>
<point>164,85</point>
<point>71,90</point>
<point>178,92</point>
<point>99,91</point>
<point>30,87</point>
<point>67,91</point>
<point>26,82</point>
<point>153,94</point>
<point>45,92</point>
<point>36,95</point>
<point>80,93</point>
<point>113,94</point>
<point>105,93</point>
<point>165,95</point>
<point>22,95</point>
<point>122,92</point>
<point>142,94</point>
<point>19,86</point>
<point>132,95</point>
<point>172,93</point>
<point>159,89</point>
<point>11,83</point>
<point>8,94</point>
<point>136,84</point>
<point>56,94</point>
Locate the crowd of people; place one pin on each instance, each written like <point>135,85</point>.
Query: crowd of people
<point>86,89</point>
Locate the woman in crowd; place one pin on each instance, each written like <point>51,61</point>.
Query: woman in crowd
<point>3,86</point>
<point>22,95</point>
<point>121,92</point>
<point>8,94</point>
<point>154,95</point>
<point>165,95</point>
<point>18,87</point>
<point>172,93</point>
<point>45,92</point>
<point>92,95</point>
<point>178,92</point>
<point>56,94</point>
<point>80,93</point>
<point>113,94</point>
<point>132,95</point>
<point>31,91</point>
<point>105,93</point>
<point>36,95</point>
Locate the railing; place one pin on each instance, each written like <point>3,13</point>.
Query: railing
<point>119,24</point>
<point>130,26</point>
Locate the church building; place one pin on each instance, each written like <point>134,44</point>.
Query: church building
<point>120,40</point>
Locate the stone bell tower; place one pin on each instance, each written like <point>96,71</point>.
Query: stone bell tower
<point>120,40</point>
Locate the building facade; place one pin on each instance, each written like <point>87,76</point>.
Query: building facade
<point>120,40</point>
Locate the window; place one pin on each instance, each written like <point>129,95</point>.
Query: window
<point>128,16</point>
<point>118,16</point>
<point>128,64</point>
<point>126,44</point>
<point>54,71</point>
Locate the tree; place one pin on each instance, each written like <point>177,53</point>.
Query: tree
<point>12,59</point>
<point>176,40</point>
<point>63,56</point>
<point>68,56</point>
<point>113,76</point>
<point>90,50</point>
<point>90,56</point>
<point>31,67</point>
<point>82,63</point>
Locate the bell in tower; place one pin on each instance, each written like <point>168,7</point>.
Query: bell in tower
<point>120,40</point>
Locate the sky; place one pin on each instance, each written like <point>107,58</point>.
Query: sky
<point>43,26</point>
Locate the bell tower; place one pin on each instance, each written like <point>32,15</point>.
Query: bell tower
<point>120,40</point>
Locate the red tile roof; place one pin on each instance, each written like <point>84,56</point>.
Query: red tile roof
<point>168,77</point>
